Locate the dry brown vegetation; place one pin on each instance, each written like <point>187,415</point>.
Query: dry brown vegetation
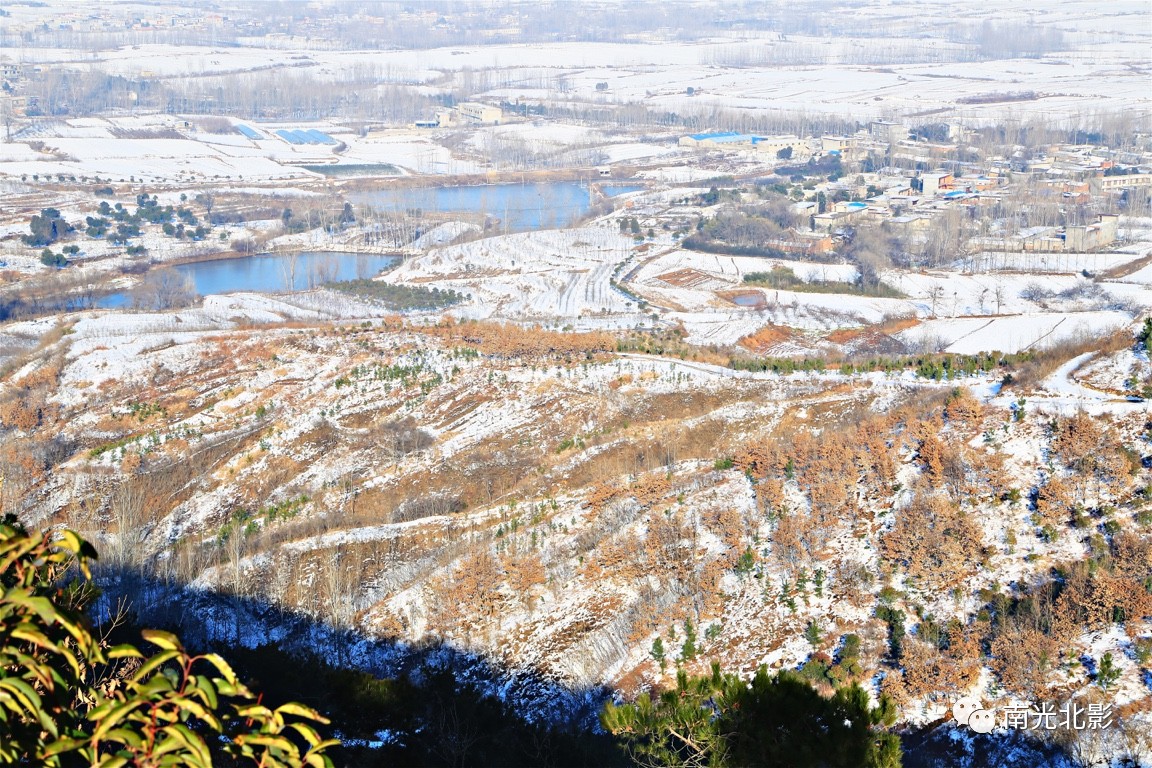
<point>510,490</point>
<point>762,341</point>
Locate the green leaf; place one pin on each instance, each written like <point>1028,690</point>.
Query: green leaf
<point>254,711</point>
<point>165,640</point>
<point>202,712</point>
<point>111,715</point>
<point>308,732</point>
<point>193,750</point>
<point>222,667</point>
<point>30,634</point>
<point>264,739</point>
<point>319,759</point>
<point>154,663</point>
<point>19,692</point>
<point>207,691</point>
<point>299,710</point>
<point>112,761</point>
<point>124,651</point>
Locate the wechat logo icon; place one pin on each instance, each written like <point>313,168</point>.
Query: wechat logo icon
<point>963,709</point>
<point>982,721</point>
<point>970,712</point>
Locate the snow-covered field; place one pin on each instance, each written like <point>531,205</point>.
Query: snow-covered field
<point>1142,276</point>
<point>90,147</point>
<point>1066,263</point>
<point>800,74</point>
<point>560,276</point>
<point>1012,333</point>
<point>299,392</point>
<point>961,313</point>
<point>416,152</point>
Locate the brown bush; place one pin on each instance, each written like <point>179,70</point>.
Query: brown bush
<point>936,542</point>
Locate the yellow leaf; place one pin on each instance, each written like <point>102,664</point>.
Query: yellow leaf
<point>165,640</point>
<point>124,651</point>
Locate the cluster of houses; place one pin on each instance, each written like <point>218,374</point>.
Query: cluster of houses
<point>909,201</point>
<point>795,146</point>
<point>12,103</point>
<point>905,202</point>
<point>911,205</point>
<point>1079,238</point>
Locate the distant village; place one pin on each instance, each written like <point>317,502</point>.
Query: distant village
<point>920,182</point>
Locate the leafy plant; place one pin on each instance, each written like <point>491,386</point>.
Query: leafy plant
<point>50,259</point>
<point>66,697</point>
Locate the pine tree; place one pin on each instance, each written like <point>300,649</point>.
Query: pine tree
<point>719,720</point>
<point>813,634</point>
<point>658,653</point>
<point>1108,673</point>
<point>688,650</point>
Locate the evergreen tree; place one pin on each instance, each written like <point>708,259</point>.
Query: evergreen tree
<point>46,228</point>
<point>658,652</point>
<point>813,634</point>
<point>688,650</point>
<point>721,720</point>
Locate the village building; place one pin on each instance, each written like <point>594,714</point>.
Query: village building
<point>1091,237</point>
<point>1121,181</point>
<point>479,114</point>
<point>717,139</point>
<point>887,130</point>
<point>935,182</point>
<point>464,113</point>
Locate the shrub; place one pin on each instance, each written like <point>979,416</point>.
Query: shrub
<point>66,698</point>
<point>50,259</point>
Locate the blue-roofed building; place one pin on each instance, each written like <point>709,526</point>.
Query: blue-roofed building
<point>249,132</point>
<point>716,139</point>
<point>316,137</point>
<point>304,136</point>
<point>712,135</point>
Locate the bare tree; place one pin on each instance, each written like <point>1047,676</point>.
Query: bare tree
<point>288,262</point>
<point>323,271</point>
<point>164,288</point>
<point>128,510</point>
<point>341,580</point>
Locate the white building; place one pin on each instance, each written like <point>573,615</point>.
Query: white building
<point>478,114</point>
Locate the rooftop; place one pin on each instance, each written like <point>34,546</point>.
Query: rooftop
<point>729,135</point>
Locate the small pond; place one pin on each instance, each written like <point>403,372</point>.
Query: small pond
<point>270,273</point>
<point>517,207</point>
<point>747,299</point>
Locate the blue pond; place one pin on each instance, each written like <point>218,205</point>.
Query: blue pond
<point>748,299</point>
<point>270,273</point>
<point>516,207</point>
